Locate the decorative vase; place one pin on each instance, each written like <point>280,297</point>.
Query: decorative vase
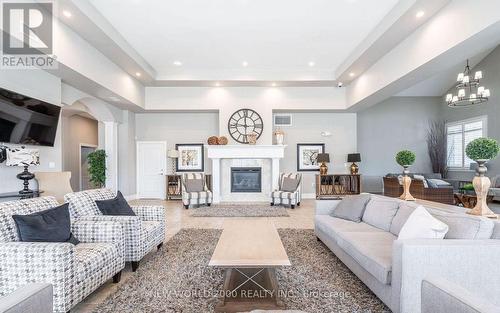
<point>222,140</point>
<point>482,185</point>
<point>406,185</point>
<point>279,137</point>
<point>213,140</point>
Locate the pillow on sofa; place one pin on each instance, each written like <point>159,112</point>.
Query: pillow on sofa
<point>351,208</point>
<point>52,225</point>
<point>289,184</point>
<point>194,185</point>
<point>422,225</point>
<point>404,212</point>
<point>379,212</point>
<point>437,183</point>
<point>422,178</point>
<point>115,206</point>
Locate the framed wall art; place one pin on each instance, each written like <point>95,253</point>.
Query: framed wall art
<point>307,156</point>
<point>191,157</point>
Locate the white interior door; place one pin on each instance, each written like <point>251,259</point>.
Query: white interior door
<point>151,169</point>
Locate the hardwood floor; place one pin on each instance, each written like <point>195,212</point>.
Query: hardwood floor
<point>177,218</point>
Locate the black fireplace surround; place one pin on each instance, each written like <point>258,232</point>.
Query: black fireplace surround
<point>246,179</point>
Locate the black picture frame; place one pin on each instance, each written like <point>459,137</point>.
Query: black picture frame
<point>185,146</point>
<point>300,167</point>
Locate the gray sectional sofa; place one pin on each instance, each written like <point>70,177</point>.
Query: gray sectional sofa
<point>394,269</point>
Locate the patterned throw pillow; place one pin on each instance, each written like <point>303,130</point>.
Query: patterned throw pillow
<point>194,185</point>
<point>52,225</point>
<point>115,206</point>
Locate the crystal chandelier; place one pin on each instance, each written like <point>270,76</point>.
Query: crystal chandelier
<point>469,90</point>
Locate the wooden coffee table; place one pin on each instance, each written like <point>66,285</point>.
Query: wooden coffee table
<point>249,251</point>
<point>469,201</point>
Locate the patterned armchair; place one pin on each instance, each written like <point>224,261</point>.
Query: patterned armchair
<point>74,271</point>
<point>289,197</point>
<point>195,198</point>
<point>142,233</point>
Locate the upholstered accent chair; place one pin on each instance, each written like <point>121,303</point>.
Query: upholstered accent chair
<point>289,190</point>
<point>55,184</point>
<point>143,232</point>
<point>495,187</point>
<point>200,196</point>
<point>74,271</point>
<point>31,298</point>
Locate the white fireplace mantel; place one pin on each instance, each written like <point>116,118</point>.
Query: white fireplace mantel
<point>218,152</point>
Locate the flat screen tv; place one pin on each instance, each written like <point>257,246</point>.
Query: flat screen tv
<point>27,121</point>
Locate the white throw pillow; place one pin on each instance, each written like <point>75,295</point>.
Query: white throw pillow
<point>422,225</point>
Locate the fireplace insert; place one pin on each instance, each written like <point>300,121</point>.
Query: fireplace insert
<point>246,179</point>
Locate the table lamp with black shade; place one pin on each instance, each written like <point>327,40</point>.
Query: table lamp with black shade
<point>24,158</point>
<point>353,158</point>
<point>323,158</point>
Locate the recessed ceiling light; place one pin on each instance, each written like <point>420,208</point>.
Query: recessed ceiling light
<point>177,63</point>
<point>420,14</point>
<point>245,63</point>
<point>274,84</point>
<point>138,74</point>
<point>311,63</point>
<point>67,13</point>
<point>217,84</point>
<point>352,74</point>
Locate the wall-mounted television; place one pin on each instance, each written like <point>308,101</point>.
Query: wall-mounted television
<point>27,121</point>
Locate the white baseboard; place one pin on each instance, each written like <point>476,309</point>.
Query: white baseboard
<point>308,196</point>
<point>130,197</point>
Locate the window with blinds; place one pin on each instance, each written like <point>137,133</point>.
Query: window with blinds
<point>459,134</point>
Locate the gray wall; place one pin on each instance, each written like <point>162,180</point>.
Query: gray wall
<point>127,155</point>
<point>177,128</point>
<point>491,70</point>
<point>44,86</point>
<point>77,130</point>
<point>396,124</point>
<point>307,128</point>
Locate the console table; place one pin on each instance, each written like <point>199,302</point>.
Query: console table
<point>334,186</point>
<point>20,196</point>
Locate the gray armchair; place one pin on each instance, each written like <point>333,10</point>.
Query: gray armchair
<point>32,298</point>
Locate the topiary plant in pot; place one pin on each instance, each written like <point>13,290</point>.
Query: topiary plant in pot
<point>405,158</point>
<point>482,150</point>
<point>97,168</point>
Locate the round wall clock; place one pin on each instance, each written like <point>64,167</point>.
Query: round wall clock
<point>245,122</point>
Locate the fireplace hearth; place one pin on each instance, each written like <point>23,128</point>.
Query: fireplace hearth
<point>246,179</point>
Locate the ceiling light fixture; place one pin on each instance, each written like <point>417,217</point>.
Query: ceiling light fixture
<point>311,63</point>
<point>351,74</point>
<point>245,63</point>
<point>67,13</point>
<point>340,84</point>
<point>274,84</point>
<point>217,84</point>
<point>419,14</point>
<point>138,74</point>
<point>469,92</point>
<point>177,63</point>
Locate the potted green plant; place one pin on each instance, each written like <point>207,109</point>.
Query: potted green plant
<point>482,150</point>
<point>97,168</point>
<point>405,158</point>
<point>468,189</point>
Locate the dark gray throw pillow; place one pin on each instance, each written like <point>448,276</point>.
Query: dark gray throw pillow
<point>351,208</point>
<point>52,225</point>
<point>194,185</point>
<point>115,206</point>
<point>289,184</point>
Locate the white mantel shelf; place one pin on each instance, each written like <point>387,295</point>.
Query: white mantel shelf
<point>218,152</point>
<point>246,151</point>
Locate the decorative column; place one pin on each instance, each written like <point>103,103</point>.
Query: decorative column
<point>275,173</point>
<point>216,180</point>
<point>406,186</point>
<point>111,148</point>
